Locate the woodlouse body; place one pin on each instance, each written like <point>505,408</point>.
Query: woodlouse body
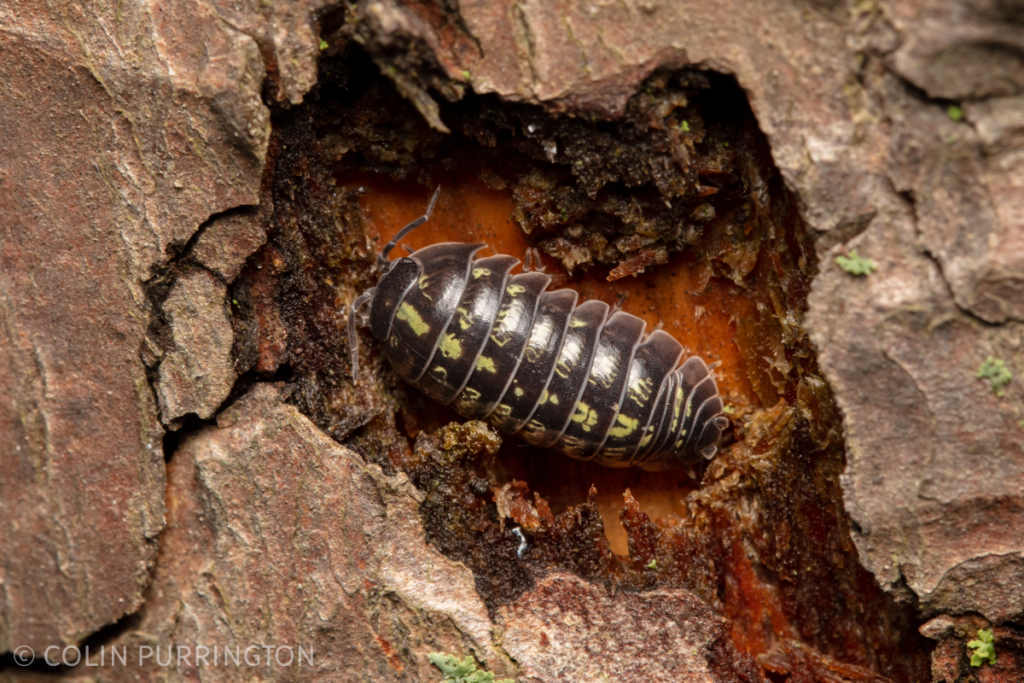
<point>582,379</point>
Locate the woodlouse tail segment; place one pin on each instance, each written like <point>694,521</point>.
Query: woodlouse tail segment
<point>692,423</point>
<point>382,260</point>
<point>707,444</point>
<point>702,423</point>
<point>353,343</point>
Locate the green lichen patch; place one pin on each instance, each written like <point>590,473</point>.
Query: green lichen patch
<point>855,264</point>
<point>464,671</point>
<point>984,648</point>
<point>996,372</point>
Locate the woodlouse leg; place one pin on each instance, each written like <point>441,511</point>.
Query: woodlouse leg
<point>353,347</point>
<point>661,324</point>
<point>539,267</point>
<point>531,261</point>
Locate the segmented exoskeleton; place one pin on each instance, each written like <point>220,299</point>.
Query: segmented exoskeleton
<point>582,379</point>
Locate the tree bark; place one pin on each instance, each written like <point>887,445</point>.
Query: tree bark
<point>186,462</point>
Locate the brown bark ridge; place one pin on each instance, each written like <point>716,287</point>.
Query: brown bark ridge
<point>135,148</point>
<point>122,132</point>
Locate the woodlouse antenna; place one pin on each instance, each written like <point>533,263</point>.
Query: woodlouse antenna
<point>353,343</point>
<point>382,260</point>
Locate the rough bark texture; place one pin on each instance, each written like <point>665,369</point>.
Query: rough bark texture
<point>276,534</point>
<point>120,133</point>
<point>134,146</point>
<point>197,373</point>
<point>566,629</point>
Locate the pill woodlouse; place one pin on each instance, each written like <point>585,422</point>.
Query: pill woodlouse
<point>582,379</point>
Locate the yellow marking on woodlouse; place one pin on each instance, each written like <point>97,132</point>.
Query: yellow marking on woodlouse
<point>506,323</point>
<point>540,336</point>
<point>548,397</point>
<point>518,392</point>
<point>640,392</point>
<point>481,272</point>
<point>576,322</point>
<point>572,349</point>
<point>439,372</point>
<point>625,427</point>
<point>485,363</point>
<point>584,416</point>
<point>515,290</point>
<point>410,316</point>
<point>499,319</point>
<point>605,367</point>
<point>677,408</point>
<point>600,375</point>
<point>571,445</point>
<point>450,347</point>
<point>470,394</point>
<point>465,319</point>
